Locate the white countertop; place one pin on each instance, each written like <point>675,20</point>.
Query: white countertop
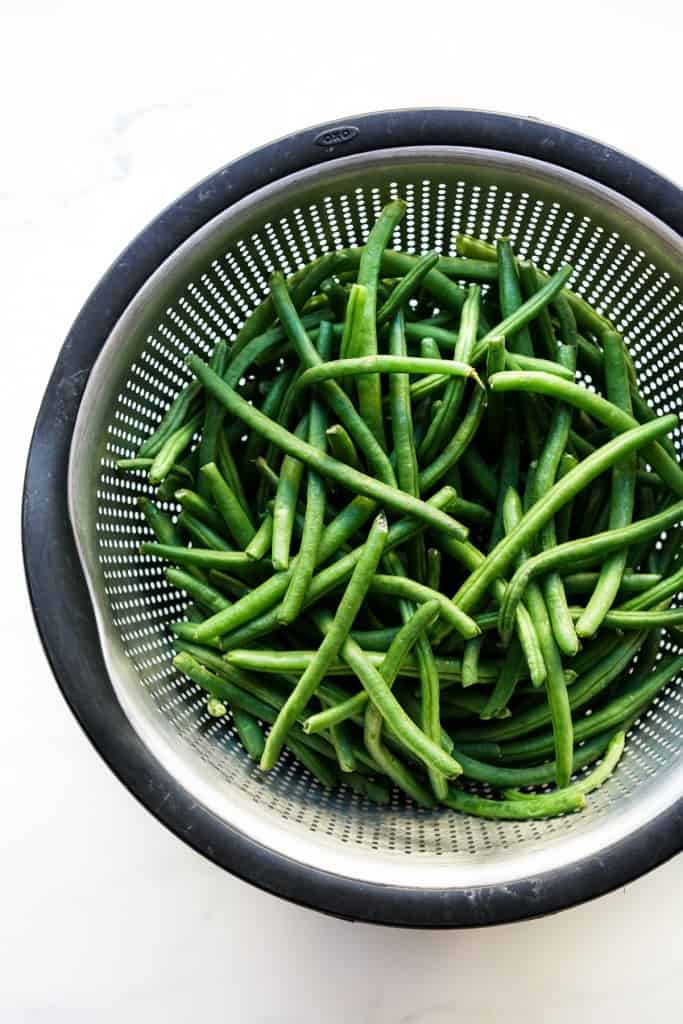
<point>105,916</point>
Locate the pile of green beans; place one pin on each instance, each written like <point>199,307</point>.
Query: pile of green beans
<point>416,551</point>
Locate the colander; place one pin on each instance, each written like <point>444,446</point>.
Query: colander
<point>191,278</point>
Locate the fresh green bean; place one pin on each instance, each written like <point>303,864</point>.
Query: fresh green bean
<point>314,521</point>
<point>343,620</point>
<point>401,645</point>
<point>260,544</point>
<point>442,425</point>
<point>178,413</point>
<point>562,491</point>
<point>622,496</point>
<point>407,287</point>
<point>333,395</point>
<point>200,592</point>
<point>202,558</point>
<point>286,496</point>
<point>546,805</point>
<point>364,341</point>
<point>556,689</point>
<point>581,553</point>
<point>603,410</point>
<point>546,474</point>
<point>200,508</point>
<point>235,518</point>
<point>341,446</point>
<point>325,465</point>
<point>161,524</point>
<point>202,534</point>
<point>338,369</point>
<point>172,449</point>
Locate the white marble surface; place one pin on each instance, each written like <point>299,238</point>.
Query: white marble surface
<point>106,116</point>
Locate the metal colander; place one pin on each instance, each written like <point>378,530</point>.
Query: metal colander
<point>336,850</point>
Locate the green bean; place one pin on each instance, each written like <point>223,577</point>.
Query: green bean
<point>413,631</point>
<point>343,747</point>
<point>479,473</point>
<point>201,592</point>
<point>369,788</point>
<point>310,760</point>
<point>235,518</point>
<point>403,434</point>
<point>472,558</point>
<point>630,704</point>
<point>401,645</point>
<point>616,419</point>
<point>542,327</point>
<point>202,558</point>
<point>324,465</point>
<point>508,473</point>
<point>622,496</point>
<point>546,474</point>
<point>198,507</point>
<point>407,287</point>
<point>518,319</point>
<point>337,369</point>
<point>302,572</point>
<point>442,425</point>
<point>495,418</point>
<point>136,463</point>
<point>260,544</point>
<point>502,777</point>
<point>662,591</point>
<point>580,553</point>
<point>429,713</point>
<point>458,446</point>
<point>593,681</point>
<point>286,496</point>
<point>255,445</point>
<point>228,469</point>
<point>352,319</point>
<point>510,297</point>
<point>229,584</point>
<point>214,414</point>
<point>631,582</point>
<point>585,315</point>
<point>202,534</point>
<point>470,661</point>
<point>172,448</point>
<point>595,778</point>
<point>341,446</point>
<point>178,413</point>
<point>250,733</point>
<point>433,576</point>
<point>507,681</point>
<point>546,805</point>
<point>333,395</point>
<point>556,689</point>
<point>562,491</point>
<point>161,525</point>
<point>419,744</point>
<point>364,342</point>
<point>277,662</point>
<point>411,590</point>
<point>231,690</point>
<point>258,606</point>
<point>615,618</point>
<point>346,612</point>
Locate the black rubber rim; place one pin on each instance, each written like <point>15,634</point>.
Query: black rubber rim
<point>57,588</point>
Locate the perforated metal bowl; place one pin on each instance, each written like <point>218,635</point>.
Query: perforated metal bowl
<point>191,278</point>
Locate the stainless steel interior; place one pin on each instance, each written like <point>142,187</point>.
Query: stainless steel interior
<point>626,263</point>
